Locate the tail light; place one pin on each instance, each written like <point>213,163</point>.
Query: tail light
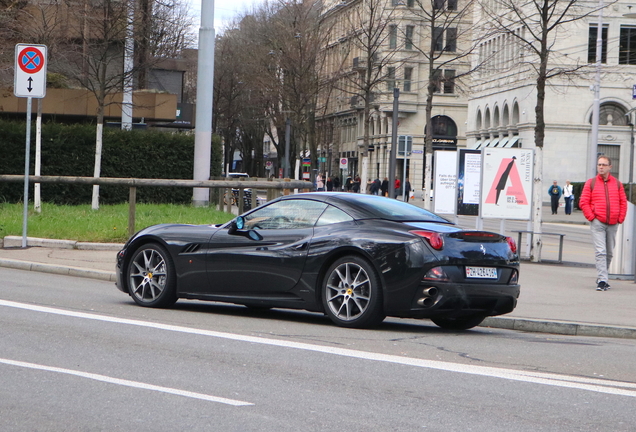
<point>434,239</point>
<point>513,244</point>
<point>514,279</point>
<point>436,274</point>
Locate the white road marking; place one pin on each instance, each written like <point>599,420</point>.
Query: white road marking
<point>126,383</point>
<point>619,388</point>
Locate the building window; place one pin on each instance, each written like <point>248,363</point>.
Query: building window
<point>611,114</point>
<point>408,76</point>
<point>451,39</point>
<point>449,81</point>
<point>591,45</point>
<point>390,78</point>
<point>444,81</point>
<point>410,3</point>
<point>408,40</point>
<point>392,36</point>
<point>448,4</point>
<point>438,38</point>
<point>450,44</point>
<point>627,46</point>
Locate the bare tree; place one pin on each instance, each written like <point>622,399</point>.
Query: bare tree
<point>268,76</point>
<point>536,26</point>
<point>447,31</point>
<point>363,58</point>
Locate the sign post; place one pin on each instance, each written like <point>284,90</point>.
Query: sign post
<point>29,81</point>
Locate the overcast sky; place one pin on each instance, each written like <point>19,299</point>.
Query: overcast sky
<point>224,10</point>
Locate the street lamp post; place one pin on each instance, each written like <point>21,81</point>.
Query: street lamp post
<point>394,142</point>
<point>596,108</point>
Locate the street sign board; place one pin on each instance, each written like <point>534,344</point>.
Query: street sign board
<point>30,71</point>
<point>344,163</point>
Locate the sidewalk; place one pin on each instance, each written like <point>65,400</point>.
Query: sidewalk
<point>554,298</point>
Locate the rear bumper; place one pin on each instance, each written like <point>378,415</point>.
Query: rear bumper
<point>452,300</point>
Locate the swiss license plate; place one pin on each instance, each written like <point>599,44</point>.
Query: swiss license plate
<point>481,272</point>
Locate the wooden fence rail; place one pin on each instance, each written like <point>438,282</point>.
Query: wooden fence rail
<point>284,186</point>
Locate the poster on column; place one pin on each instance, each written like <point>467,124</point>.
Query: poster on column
<point>506,186</point>
<point>445,182</point>
<point>468,182</point>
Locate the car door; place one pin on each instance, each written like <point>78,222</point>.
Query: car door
<point>237,264</point>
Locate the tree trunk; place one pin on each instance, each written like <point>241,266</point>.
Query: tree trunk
<point>539,137</point>
<point>428,158</point>
<point>98,152</point>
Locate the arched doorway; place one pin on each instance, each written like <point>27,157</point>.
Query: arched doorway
<point>444,133</point>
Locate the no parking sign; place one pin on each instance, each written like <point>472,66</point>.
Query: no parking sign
<point>30,71</point>
<point>344,163</point>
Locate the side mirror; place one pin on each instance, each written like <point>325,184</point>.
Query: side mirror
<point>237,228</point>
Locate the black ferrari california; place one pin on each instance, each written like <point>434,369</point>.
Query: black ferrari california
<point>358,258</point>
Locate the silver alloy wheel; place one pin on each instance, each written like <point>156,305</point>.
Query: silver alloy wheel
<point>348,291</point>
<point>148,275</point>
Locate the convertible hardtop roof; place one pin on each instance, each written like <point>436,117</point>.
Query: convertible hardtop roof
<point>362,206</point>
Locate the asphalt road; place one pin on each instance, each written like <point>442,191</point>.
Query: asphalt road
<point>78,355</point>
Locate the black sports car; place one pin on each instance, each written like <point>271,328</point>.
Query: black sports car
<point>358,258</point>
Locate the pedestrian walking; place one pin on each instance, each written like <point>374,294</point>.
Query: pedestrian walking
<point>329,184</point>
<point>384,187</point>
<point>407,190</point>
<point>604,204</point>
<point>355,186</point>
<point>374,187</point>
<point>396,185</point>
<point>336,183</point>
<point>568,197</point>
<point>320,184</point>
<point>555,193</point>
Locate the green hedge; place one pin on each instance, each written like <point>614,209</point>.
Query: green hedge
<point>69,150</point>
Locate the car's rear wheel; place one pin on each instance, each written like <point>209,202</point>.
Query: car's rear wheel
<point>463,323</point>
<point>352,294</point>
<point>151,277</point>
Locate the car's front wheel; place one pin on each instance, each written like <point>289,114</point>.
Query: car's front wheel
<point>151,277</point>
<point>352,294</point>
<point>463,323</point>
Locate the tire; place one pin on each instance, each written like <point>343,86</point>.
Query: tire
<point>352,293</point>
<point>463,323</point>
<point>151,277</point>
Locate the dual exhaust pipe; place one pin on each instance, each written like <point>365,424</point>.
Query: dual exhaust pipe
<point>428,297</point>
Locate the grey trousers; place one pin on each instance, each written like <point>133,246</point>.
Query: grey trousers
<point>604,239</point>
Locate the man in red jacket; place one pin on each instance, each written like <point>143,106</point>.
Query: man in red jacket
<point>604,204</point>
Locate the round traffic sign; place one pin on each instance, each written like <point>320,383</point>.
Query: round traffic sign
<point>30,60</point>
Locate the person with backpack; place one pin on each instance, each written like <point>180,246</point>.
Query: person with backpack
<point>555,193</point>
<point>604,204</point>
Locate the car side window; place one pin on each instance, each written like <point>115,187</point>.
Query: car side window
<point>287,214</point>
<point>333,215</point>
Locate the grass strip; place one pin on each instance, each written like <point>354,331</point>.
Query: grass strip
<point>109,224</point>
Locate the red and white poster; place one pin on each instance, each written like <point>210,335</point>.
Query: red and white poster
<point>506,186</point>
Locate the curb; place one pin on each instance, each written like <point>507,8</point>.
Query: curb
<point>16,241</point>
<point>559,327</point>
<point>57,269</point>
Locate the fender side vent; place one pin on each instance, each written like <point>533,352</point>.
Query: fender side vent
<point>191,248</point>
